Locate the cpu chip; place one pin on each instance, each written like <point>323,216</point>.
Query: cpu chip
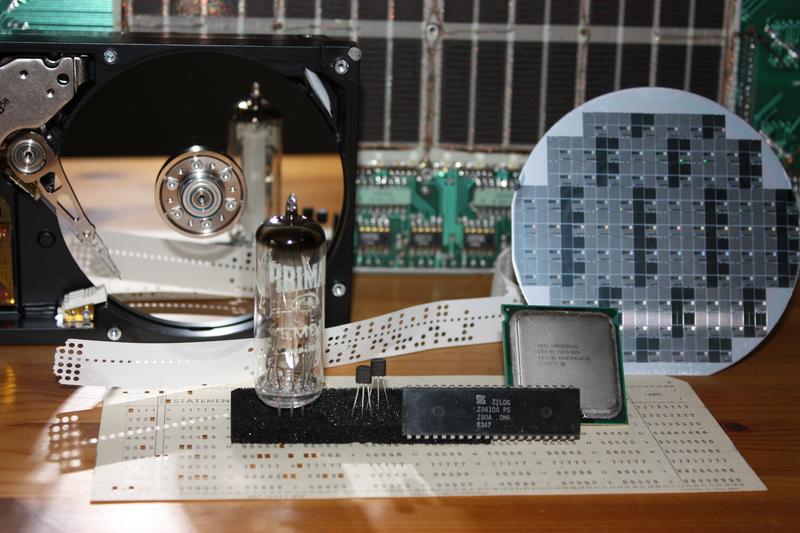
<point>568,347</point>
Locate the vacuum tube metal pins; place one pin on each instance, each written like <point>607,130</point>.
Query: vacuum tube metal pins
<point>289,309</point>
<point>255,141</point>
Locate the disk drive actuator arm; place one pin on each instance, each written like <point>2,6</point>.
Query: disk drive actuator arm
<point>32,92</point>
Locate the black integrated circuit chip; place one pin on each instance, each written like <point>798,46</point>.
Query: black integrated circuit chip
<point>479,241</point>
<point>374,238</point>
<point>426,239</point>
<point>491,412</point>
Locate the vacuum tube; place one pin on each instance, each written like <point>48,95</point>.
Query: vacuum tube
<point>290,289</point>
<point>255,141</point>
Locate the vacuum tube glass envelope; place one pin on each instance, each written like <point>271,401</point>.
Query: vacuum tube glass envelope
<point>289,309</point>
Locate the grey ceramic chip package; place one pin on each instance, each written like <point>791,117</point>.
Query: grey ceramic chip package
<point>561,347</point>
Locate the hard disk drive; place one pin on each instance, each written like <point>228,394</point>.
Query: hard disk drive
<point>119,186</point>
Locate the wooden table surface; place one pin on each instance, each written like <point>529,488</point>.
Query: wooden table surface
<point>756,402</point>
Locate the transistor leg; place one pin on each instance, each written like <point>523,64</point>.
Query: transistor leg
<point>355,401</point>
<point>363,388</point>
<point>378,370</point>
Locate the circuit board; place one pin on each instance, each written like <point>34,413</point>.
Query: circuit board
<point>6,261</point>
<point>59,15</point>
<point>432,218</point>
<point>768,95</point>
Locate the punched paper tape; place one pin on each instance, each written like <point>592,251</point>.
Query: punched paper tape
<point>149,263</point>
<point>442,324</point>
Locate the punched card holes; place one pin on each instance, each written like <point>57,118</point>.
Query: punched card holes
<point>187,465</point>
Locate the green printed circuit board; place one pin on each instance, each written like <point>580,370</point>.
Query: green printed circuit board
<point>432,218</point>
<point>768,89</point>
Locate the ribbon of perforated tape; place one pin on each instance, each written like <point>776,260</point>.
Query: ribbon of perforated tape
<point>153,264</point>
<point>442,324</point>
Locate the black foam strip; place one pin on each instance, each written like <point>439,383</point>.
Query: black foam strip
<point>327,420</point>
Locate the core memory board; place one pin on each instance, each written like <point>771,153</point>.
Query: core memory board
<point>432,218</point>
<point>492,76</point>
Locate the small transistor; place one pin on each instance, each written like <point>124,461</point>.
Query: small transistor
<point>378,369</point>
<point>459,413</point>
<point>363,389</point>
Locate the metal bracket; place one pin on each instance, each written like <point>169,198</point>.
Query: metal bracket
<point>33,91</point>
<point>47,265</point>
<point>35,165</point>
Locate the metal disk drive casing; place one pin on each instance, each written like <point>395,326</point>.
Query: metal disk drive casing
<point>564,348</point>
<point>150,97</point>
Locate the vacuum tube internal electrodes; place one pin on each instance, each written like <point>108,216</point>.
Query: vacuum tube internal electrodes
<point>289,316</point>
